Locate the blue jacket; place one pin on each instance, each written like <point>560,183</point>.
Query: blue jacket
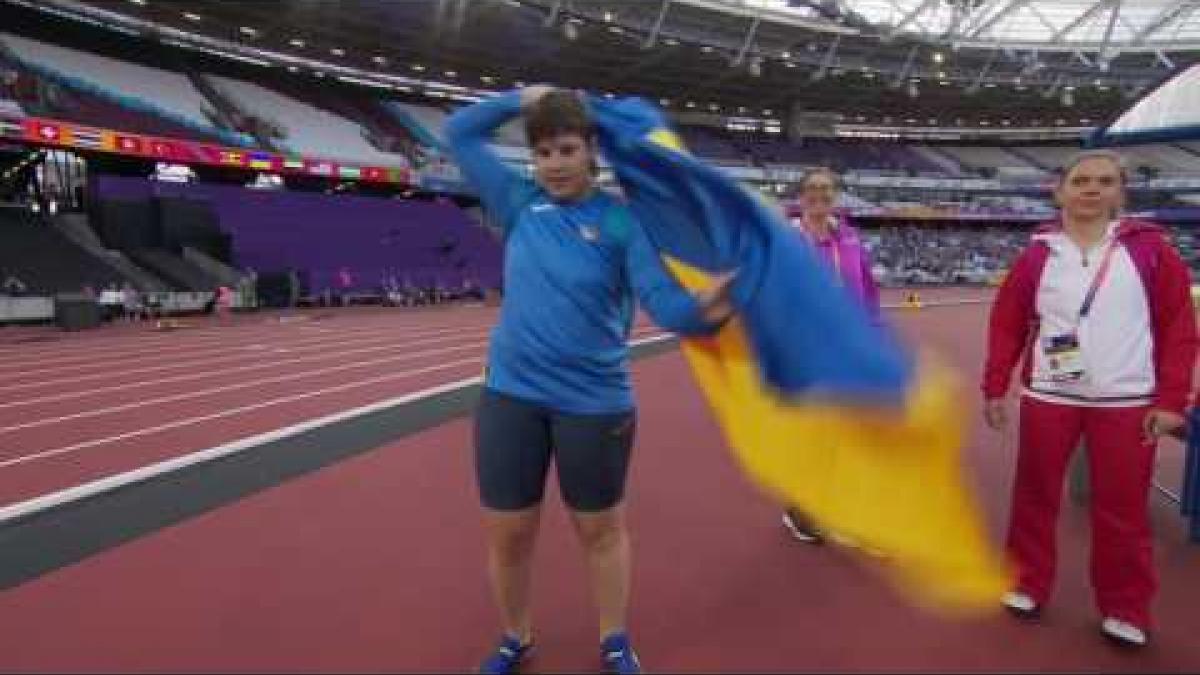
<point>571,274</point>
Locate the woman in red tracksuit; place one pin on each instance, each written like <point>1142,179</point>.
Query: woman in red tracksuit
<point>1099,309</point>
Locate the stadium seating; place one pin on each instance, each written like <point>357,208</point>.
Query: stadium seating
<point>46,261</point>
<point>304,128</point>
<point>130,96</point>
<point>427,243</point>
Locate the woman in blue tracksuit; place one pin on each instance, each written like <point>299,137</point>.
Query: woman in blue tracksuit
<point>557,383</point>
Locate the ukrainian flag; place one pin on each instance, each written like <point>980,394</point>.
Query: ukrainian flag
<point>824,409</point>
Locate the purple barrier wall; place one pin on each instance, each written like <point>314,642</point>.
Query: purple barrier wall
<point>425,243</point>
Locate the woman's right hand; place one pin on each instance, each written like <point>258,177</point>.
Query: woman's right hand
<point>715,304</point>
<point>995,413</point>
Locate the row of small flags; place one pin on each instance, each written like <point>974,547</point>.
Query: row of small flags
<point>56,133</point>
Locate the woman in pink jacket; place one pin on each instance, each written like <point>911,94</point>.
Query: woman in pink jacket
<point>1098,308</point>
<point>839,245</point>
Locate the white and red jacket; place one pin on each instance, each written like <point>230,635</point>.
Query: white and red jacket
<point>1138,342</point>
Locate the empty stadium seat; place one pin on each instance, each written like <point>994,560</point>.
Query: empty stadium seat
<point>45,260</point>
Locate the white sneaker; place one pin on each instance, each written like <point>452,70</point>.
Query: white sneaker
<point>799,533</point>
<point>1123,632</point>
<point>1020,604</point>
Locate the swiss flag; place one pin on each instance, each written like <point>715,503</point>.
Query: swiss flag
<point>129,144</point>
<point>49,132</point>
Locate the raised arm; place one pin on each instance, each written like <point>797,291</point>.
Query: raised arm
<point>468,132</point>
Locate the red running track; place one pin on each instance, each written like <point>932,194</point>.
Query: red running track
<point>82,409</point>
<point>376,564</point>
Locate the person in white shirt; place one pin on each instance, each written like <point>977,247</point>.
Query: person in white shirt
<point>1098,308</point>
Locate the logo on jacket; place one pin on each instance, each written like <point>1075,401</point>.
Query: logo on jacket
<point>589,232</point>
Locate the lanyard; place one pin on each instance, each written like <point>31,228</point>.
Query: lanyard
<point>837,258</point>
<point>834,247</point>
<point>1097,281</point>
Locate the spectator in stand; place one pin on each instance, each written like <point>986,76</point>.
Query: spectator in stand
<point>224,305</point>
<point>345,285</point>
<point>131,300</point>
<point>1099,308</point>
<point>14,287</point>
<point>111,301</point>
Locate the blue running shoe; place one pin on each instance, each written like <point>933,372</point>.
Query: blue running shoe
<point>508,657</point>
<point>618,655</point>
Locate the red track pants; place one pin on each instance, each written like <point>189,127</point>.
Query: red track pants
<point>1121,464</point>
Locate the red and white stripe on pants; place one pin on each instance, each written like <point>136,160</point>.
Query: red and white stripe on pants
<point>1121,463</point>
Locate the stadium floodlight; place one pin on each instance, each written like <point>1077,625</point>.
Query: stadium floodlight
<point>652,36</point>
<point>552,16</point>
<point>746,41</point>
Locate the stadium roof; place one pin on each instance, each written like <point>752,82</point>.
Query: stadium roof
<point>877,60</point>
<point>1052,25</point>
<point>1169,112</point>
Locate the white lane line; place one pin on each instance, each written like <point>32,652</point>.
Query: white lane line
<point>92,488</point>
<point>137,343</point>
<point>115,481</point>
<point>109,369</point>
<point>222,372</point>
<point>248,384</point>
<point>99,360</point>
<point>84,356</point>
<point>229,412</point>
<point>214,335</point>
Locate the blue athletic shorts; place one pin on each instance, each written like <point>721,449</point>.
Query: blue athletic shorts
<point>515,441</point>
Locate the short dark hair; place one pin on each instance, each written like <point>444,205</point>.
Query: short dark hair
<point>557,113</point>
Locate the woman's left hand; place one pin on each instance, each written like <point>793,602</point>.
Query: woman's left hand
<point>1163,423</point>
<point>714,301</point>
